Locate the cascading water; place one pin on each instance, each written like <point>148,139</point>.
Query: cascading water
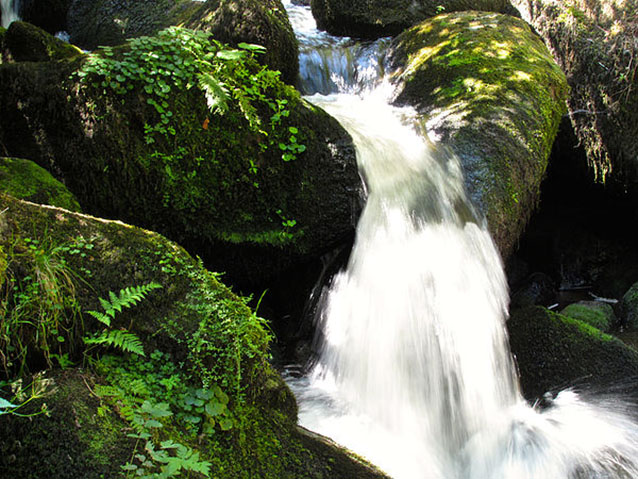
<point>414,370</point>
<point>9,9</point>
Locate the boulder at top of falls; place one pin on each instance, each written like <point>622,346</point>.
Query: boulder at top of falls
<point>595,45</point>
<point>214,182</point>
<point>379,18</point>
<point>264,22</point>
<point>486,87</point>
<point>554,352</point>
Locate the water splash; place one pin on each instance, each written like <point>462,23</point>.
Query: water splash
<point>413,369</point>
<point>9,9</point>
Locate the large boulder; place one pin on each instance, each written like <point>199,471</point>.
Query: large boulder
<point>264,22</point>
<point>200,341</point>
<point>595,44</point>
<point>262,182</point>
<point>554,352</point>
<point>486,87</point>
<point>598,314</point>
<point>25,180</point>
<point>378,18</point>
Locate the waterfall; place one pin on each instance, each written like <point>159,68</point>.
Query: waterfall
<point>9,9</point>
<point>413,369</point>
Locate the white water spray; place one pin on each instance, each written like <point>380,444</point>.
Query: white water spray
<point>414,370</point>
<point>9,9</point>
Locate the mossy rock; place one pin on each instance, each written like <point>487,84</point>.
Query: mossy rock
<point>28,43</point>
<point>264,22</point>
<point>599,315</point>
<point>191,318</point>
<point>594,43</point>
<point>80,436</point>
<point>212,187</point>
<point>487,87</point>
<point>25,180</point>
<point>379,18</point>
<point>629,308</point>
<point>555,352</point>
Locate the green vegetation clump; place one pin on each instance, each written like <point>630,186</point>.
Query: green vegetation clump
<point>25,180</point>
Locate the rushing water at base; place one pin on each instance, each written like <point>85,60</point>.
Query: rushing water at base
<point>9,9</point>
<point>413,368</point>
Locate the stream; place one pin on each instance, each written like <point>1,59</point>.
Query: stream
<point>413,369</point>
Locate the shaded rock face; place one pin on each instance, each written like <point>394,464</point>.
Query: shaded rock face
<point>595,44</point>
<point>378,18</point>
<point>554,352</point>
<point>25,180</point>
<point>107,22</point>
<point>487,88</point>
<point>50,15</point>
<point>629,308</point>
<point>197,189</point>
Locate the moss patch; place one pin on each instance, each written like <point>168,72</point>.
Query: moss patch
<point>553,351</point>
<point>25,180</point>
<point>28,43</point>
<point>598,315</point>
<point>488,88</point>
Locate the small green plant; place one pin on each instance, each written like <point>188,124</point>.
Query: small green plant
<point>20,396</point>
<point>39,311</point>
<point>180,59</point>
<point>119,338</point>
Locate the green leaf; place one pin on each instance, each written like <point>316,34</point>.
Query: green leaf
<point>230,55</point>
<point>4,404</point>
<point>214,408</point>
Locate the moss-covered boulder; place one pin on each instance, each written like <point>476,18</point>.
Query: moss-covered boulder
<point>629,308</point>
<point>25,180</point>
<point>28,43</point>
<point>595,44</point>
<point>595,313</point>
<point>379,18</point>
<point>487,87</point>
<point>204,382</point>
<point>262,182</point>
<point>264,22</point>
<point>554,352</point>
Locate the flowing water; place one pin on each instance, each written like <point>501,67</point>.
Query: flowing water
<point>413,368</point>
<point>9,9</point>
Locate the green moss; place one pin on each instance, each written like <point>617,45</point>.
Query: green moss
<point>489,88</point>
<point>25,180</point>
<point>596,317</point>
<point>27,42</point>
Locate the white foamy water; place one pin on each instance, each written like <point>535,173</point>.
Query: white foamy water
<point>9,9</point>
<point>413,369</point>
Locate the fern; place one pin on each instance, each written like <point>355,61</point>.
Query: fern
<point>120,338</point>
<point>124,340</point>
<point>215,92</point>
<point>127,297</point>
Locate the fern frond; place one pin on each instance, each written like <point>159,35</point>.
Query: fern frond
<point>101,317</point>
<point>123,340</point>
<point>215,92</point>
<point>126,298</point>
